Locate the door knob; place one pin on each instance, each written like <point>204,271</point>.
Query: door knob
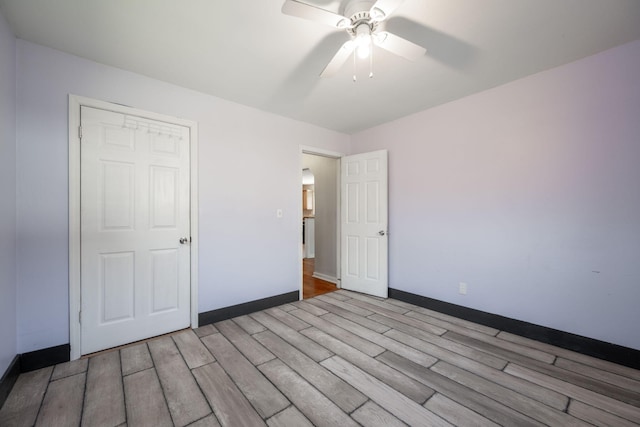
<point>381,232</point>
<point>183,240</point>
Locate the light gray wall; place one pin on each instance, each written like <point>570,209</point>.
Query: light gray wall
<point>8,346</point>
<point>248,168</point>
<point>529,193</point>
<point>324,171</point>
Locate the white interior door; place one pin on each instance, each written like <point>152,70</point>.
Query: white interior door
<point>135,273</point>
<point>364,221</point>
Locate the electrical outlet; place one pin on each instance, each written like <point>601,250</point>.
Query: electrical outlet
<point>462,288</point>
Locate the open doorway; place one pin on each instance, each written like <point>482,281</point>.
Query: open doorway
<point>320,205</point>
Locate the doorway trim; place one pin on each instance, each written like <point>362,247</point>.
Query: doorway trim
<point>306,149</point>
<point>75,102</point>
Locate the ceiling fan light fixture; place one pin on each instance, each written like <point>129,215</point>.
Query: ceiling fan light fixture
<point>343,23</point>
<point>364,50</point>
<point>361,20</point>
<point>363,41</point>
<point>380,37</point>
<point>376,14</point>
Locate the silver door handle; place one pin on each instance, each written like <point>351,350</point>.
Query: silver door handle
<point>382,232</point>
<point>184,240</point>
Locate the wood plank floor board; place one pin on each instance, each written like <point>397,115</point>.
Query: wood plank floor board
<point>135,358</point>
<point>600,387</point>
<point>444,317</point>
<point>597,416</point>
<point>293,337</point>
<point>349,315</point>
<point>383,303</point>
<point>538,411</point>
<point>354,340</point>
<point>449,326</point>
<point>386,309</point>
<point>603,365</point>
<point>184,398</point>
<point>229,405</point>
<point>62,403</point>
<point>442,343</point>
<point>598,374</point>
<point>396,403</point>
<point>68,369</point>
<point>192,350</point>
<point>264,397</point>
<point>293,322</point>
<point>517,385</point>
<point>104,394</point>
<point>290,417</point>
<point>492,349</point>
<point>411,388</point>
<point>249,325</point>
<point>287,307</point>
<point>468,398</point>
<point>338,391</point>
<point>307,306</point>
<point>442,353</point>
<point>382,340</point>
<point>375,305</point>
<point>401,318</point>
<point>455,413</point>
<point>336,295</point>
<point>205,330</point>
<point>248,346</point>
<point>330,299</point>
<point>208,421</point>
<point>624,410</point>
<point>314,405</point>
<point>23,403</point>
<point>528,352</point>
<point>497,351</point>
<point>144,400</point>
<point>372,415</point>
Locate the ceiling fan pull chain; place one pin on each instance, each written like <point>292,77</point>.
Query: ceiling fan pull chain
<point>371,58</point>
<point>354,66</point>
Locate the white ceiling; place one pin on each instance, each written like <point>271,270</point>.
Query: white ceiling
<point>247,51</point>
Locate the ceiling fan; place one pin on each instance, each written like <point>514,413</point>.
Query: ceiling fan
<point>363,20</point>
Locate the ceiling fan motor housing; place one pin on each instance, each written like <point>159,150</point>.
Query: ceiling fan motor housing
<point>358,10</point>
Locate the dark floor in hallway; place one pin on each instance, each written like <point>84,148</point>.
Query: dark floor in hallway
<point>312,286</point>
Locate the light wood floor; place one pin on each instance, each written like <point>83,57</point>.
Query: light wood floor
<point>341,359</point>
<point>311,286</point>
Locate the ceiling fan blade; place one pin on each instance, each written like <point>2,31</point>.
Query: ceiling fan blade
<point>387,7</point>
<point>399,46</point>
<point>312,13</point>
<point>338,59</point>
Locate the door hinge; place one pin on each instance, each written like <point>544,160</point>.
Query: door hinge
<point>80,316</point>
<point>80,132</point>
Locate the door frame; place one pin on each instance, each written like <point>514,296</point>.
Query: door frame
<point>305,149</point>
<point>75,103</point>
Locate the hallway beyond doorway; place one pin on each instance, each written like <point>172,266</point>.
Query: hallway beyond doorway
<point>311,286</point>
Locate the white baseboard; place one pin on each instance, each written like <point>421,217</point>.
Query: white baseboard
<point>331,279</point>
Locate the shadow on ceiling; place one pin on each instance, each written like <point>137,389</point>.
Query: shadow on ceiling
<point>290,95</point>
<point>440,46</point>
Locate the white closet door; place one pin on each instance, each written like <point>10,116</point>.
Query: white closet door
<point>135,273</point>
